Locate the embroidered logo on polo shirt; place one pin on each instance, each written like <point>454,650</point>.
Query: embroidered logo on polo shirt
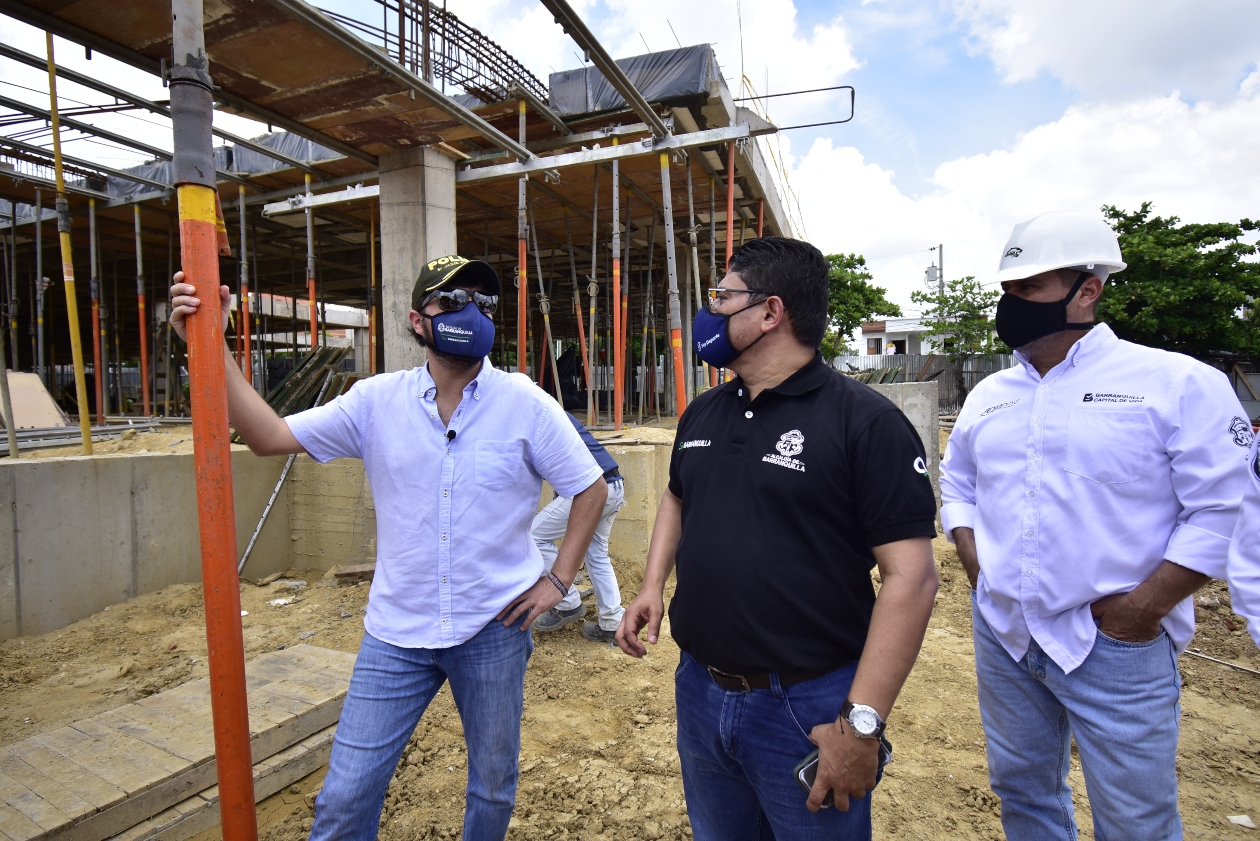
<point>1105,397</point>
<point>993,409</point>
<point>790,444</point>
<point>698,442</point>
<point>1241,430</point>
<point>920,467</point>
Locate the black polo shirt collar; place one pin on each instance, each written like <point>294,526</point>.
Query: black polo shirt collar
<point>807,378</point>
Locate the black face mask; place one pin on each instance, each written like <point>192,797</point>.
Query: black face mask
<point>1020,322</point>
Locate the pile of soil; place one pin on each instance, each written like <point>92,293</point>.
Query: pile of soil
<point>598,758</point>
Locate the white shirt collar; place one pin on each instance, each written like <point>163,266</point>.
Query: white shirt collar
<point>425,387</point>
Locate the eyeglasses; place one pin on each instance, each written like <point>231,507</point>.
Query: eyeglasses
<point>451,300</point>
<point>719,295</point>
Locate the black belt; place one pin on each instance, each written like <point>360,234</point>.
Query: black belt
<point>747,683</point>
<point>612,476</point>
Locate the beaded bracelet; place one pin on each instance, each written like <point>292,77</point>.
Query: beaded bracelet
<point>564,591</point>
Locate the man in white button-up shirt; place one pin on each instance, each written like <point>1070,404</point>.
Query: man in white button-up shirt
<point>1091,489</point>
<point>1244,551</point>
<point>455,453</point>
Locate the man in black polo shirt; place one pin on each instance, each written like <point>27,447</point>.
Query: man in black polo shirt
<point>787,485</point>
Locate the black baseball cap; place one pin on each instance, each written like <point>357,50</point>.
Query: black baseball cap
<point>450,272</point>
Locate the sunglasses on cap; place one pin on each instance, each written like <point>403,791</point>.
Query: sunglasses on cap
<point>452,300</point>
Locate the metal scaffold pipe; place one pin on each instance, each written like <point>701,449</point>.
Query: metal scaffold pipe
<point>592,289</point>
<point>372,290</point>
<point>544,305</point>
<point>192,106</point>
<point>94,287</point>
<point>761,217</point>
<point>695,253</point>
<point>247,358</point>
<point>311,307</point>
<point>144,320</point>
<point>39,289</point>
<point>67,270</point>
<point>675,307</point>
<point>522,259</point>
<point>618,364</point>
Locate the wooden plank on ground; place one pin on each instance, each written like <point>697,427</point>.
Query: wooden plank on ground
<point>355,572</point>
<point>105,775</point>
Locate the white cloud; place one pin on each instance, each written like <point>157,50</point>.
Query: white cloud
<point>1199,162</point>
<point>1119,47</point>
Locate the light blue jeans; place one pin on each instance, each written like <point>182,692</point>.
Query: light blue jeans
<point>1122,705</point>
<point>739,751</point>
<point>548,527</point>
<point>389,691</point>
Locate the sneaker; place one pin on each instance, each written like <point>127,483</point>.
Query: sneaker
<point>554,620</point>
<point>594,633</point>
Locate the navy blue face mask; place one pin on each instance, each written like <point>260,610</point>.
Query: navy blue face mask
<point>465,332</point>
<point>711,337</point>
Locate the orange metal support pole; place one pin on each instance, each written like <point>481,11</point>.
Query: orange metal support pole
<point>193,171</point>
<point>761,216</point>
<point>144,320</point>
<point>730,202</point>
<point>675,308</point>
<point>619,371</point>
<point>311,305</point>
<point>372,290</point>
<point>94,284</point>
<point>522,259</point>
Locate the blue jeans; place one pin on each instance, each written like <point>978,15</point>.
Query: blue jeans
<point>389,691</point>
<point>739,750</point>
<point>1122,705</point>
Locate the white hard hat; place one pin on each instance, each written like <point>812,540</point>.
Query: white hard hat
<point>1062,239</point>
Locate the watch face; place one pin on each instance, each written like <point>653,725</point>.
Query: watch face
<point>864,721</point>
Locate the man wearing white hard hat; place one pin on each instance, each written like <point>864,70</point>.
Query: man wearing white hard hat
<point>1090,489</point>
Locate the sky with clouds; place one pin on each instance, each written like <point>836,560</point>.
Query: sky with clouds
<point>971,116</point>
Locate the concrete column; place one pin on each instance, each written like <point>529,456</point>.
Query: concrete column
<point>417,225</point>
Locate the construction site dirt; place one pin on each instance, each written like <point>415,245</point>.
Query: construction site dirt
<point>598,758</point>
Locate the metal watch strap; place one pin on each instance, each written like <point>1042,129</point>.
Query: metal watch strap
<point>847,709</point>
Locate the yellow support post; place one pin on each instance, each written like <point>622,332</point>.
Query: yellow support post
<point>67,262</point>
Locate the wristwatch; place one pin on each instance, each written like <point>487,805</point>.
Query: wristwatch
<point>864,720</point>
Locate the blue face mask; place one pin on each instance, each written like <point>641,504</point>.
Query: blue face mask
<point>465,332</point>
<point>711,337</point>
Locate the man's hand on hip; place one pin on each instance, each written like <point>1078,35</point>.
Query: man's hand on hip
<point>1123,617</point>
<point>647,609</point>
<point>847,765</point>
<point>531,604</point>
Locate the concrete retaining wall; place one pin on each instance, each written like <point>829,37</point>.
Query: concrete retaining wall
<point>80,533</point>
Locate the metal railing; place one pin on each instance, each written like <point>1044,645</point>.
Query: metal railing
<point>439,47</point>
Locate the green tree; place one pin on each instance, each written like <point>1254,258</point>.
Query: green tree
<point>851,301</point>
<point>1187,287</point>
<point>961,318</point>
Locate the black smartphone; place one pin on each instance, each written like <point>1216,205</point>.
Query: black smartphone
<point>808,769</point>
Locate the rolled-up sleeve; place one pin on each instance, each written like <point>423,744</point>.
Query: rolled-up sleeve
<point>334,430</point>
<point>1244,552</point>
<point>958,480</point>
<point>1207,444</point>
<point>558,454</point>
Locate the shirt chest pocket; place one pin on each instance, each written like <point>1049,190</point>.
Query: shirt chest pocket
<point>1109,448</point>
<point>497,464</point>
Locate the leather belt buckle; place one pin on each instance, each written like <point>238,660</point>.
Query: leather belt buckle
<point>738,683</point>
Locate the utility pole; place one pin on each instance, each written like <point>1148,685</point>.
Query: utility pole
<point>940,268</point>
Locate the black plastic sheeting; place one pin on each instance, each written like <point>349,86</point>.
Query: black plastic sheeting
<point>660,77</point>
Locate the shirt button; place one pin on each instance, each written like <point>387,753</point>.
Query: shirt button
<point>1032,493</point>
<point>1026,534</point>
<point>445,493</point>
<point>444,536</point>
<point>443,621</point>
<point>741,392</point>
<point>1036,420</point>
<point>476,395</point>
<point>443,579</point>
<point>748,414</point>
<point>432,415</point>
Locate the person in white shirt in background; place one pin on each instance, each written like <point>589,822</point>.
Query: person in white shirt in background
<point>1091,490</point>
<point>1244,551</point>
